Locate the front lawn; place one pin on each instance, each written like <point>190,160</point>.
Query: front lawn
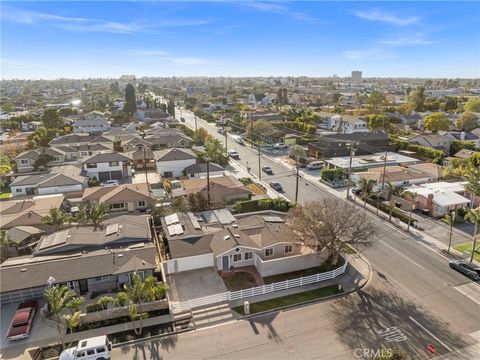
<point>468,247</point>
<point>326,266</point>
<point>239,281</point>
<point>290,299</point>
<point>5,193</point>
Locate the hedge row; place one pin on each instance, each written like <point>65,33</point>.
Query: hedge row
<point>421,151</point>
<point>278,204</point>
<point>395,212</point>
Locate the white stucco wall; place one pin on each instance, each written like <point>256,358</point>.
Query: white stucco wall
<point>243,262</point>
<point>176,166</point>
<point>288,264</point>
<point>101,167</point>
<point>189,263</point>
<point>60,189</point>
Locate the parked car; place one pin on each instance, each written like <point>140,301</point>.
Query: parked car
<point>465,268</point>
<point>315,165</point>
<point>110,183</point>
<point>22,320</point>
<point>233,154</point>
<point>357,191</point>
<point>182,119</point>
<point>280,146</point>
<point>95,348</point>
<point>239,140</point>
<point>275,185</point>
<point>221,130</point>
<point>267,170</point>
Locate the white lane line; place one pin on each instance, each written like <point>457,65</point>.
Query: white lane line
<point>399,253</point>
<point>471,291</point>
<point>428,332</point>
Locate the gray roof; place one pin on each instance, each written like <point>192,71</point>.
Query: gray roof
<point>18,234</point>
<point>33,271</point>
<point>202,168</point>
<point>90,122</point>
<point>80,138</point>
<point>358,136</point>
<point>33,154</point>
<point>107,157</point>
<point>58,176</point>
<point>174,154</point>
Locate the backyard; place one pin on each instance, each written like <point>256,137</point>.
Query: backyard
<point>239,280</point>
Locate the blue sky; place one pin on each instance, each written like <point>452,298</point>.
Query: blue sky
<point>106,39</point>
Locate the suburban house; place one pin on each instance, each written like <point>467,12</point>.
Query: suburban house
<point>398,176</point>
<point>139,150</point>
<point>74,153</point>
<point>27,212</point>
<point>26,160</point>
<point>164,138</point>
<point>217,239</point>
<point>98,259</point>
<point>199,170</point>
<point>171,163</point>
<point>436,141</point>
<point>60,179</point>
<point>95,115</point>
<point>466,136</point>
<point>440,198</point>
<point>24,238</point>
<point>465,154</point>
<point>75,139</point>
<point>365,162</point>
<point>107,166</point>
<point>339,144</point>
<point>346,124</point>
<point>224,189</point>
<point>91,126</point>
<point>13,143</point>
<point>129,197</point>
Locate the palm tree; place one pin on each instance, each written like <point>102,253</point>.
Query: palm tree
<point>104,301</point>
<point>97,214</point>
<point>83,214</point>
<point>154,290</point>
<point>413,200</point>
<point>136,294</point>
<point>390,189</point>
<point>57,298</point>
<point>450,220</point>
<point>474,217</point>
<point>4,243</point>
<point>72,320</point>
<point>57,218</point>
<point>75,303</point>
<point>366,186</point>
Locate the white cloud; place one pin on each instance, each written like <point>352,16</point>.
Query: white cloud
<point>373,54</point>
<point>281,9</point>
<point>380,16</point>
<point>152,56</point>
<point>408,41</point>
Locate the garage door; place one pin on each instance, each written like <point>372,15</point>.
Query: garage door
<point>117,175</point>
<point>104,175</point>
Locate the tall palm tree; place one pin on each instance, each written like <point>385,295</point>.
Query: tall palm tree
<point>97,214</point>
<point>136,294</point>
<point>366,187</point>
<point>450,220</point>
<point>57,298</point>
<point>413,200</point>
<point>72,320</point>
<point>57,218</point>
<point>83,214</point>
<point>390,189</point>
<point>154,290</point>
<point>474,217</point>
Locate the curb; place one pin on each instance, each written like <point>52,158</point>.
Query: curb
<point>330,297</point>
<point>130,342</point>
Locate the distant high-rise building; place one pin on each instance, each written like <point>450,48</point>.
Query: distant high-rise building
<point>356,75</point>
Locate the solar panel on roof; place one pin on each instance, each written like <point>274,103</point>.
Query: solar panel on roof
<point>171,219</point>
<point>273,219</point>
<point>194,221</point>
<point>175,229</point>
<point>224,216</point>
<point>111,229</point>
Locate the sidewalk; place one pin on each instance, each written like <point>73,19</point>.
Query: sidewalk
<point>358,274</point>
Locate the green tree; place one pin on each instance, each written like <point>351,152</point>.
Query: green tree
<point>197,202</point>
<point>376,100</point>
<point>57,218</point>
<point>412,197</point>
<point>338,109</point>
<point>8,107</point>
<point>378,123</point>
<point>390,190</point>
<point>473,105</point>
<point>171,107</point>
<point>215,152</point>
<point>57,298</point>
<point>72,320</point>
<point>366,185</point>
<point>474,217</point>
<point>449,219</point>
<point>5,243</point>
<point>51,119</point>
<point>5,169</point>
<point>97,214</point>
<point>391,354</point>
<point>121,299</point>
<point>104,301</point>
<point>136,295</point>
<point>130,100</point>
<point>74,303</point>
<point>436,121</point>
<point>154,290</point>
<point>41,137</point>
<point>201,136</point>
<point>332,175</point>
<point>468,121</point>
<point>42,161</point>
<point>458,145</point>
<point>417,98</point>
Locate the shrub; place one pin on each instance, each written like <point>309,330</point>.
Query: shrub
<point>93,308</point>
<point>121,299</point>
<point>332,175</point>
<point>278,204</point>
<point>92,182</point>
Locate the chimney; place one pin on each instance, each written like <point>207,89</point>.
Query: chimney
<point>462,135</point>
<point>430,202</point>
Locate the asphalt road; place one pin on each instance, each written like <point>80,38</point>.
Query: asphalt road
<point>414,299</point>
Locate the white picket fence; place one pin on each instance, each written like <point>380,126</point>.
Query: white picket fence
<point>177,307</point>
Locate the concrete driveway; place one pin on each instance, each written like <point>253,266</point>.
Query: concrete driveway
<point>194,284</point>
<point>153,177</point>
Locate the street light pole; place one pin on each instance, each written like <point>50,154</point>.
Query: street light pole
<point>259,163</point>
<point>349,170</point>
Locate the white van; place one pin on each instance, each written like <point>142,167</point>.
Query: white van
<point>239,140</point>
<point>96,348</point>
<point>315,165</point>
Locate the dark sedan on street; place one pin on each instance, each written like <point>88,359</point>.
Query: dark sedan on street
<point>467,269</point>
<point>275,185</point>
<point>267,170</point>
<point>22,321</point>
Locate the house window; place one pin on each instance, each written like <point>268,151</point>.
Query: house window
<point>141,203</point>
<point>288,249</point>
<point>237,257</point>
<point>91,166</point>
<point>24,161</point>
<point>117,206</point>
<point>56,158</point>
<point>102,278</point>
<point>18,190</point>
<point>113,163</point>
<point>168,174</point>
<point>268,252</point>
<point>248,256</point>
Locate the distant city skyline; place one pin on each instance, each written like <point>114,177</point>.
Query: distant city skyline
<point>49,40</point>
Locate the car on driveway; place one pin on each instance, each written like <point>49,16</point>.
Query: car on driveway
<point>280,146</point>
<point>233,154</point>
<point>275,185</point>
<point>110,183</point>
<point>465,268</point>
<point>221,130</point>
<point>267,170</point>
<point>22,321</point>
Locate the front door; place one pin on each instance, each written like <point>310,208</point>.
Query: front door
<point>83,286</point>
<point>225,263</point>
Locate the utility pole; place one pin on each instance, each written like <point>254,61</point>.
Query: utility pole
<point>349,170</point>
<point>195,117</point>
<point>452,220</point>
<point>298,176</point>
<point>383,179</point>
<point>259,162</point>
<point>226,138</point>
<point>208,182</point>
